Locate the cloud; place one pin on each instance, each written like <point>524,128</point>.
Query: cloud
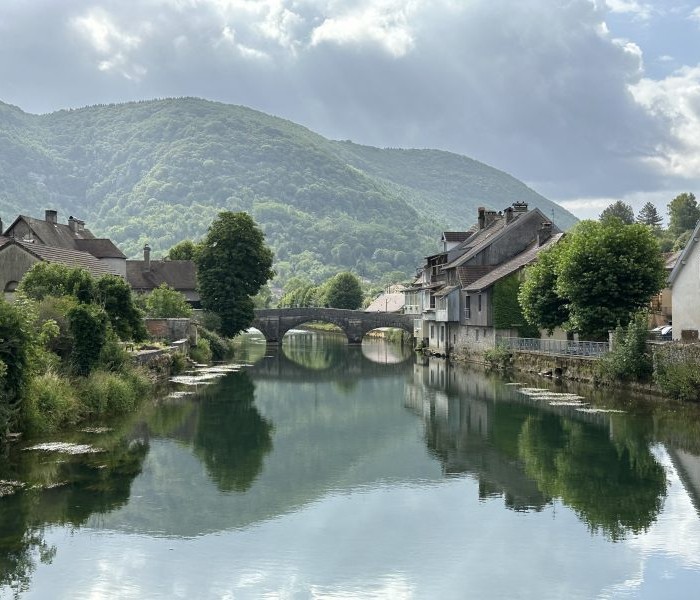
<point>545,91</point>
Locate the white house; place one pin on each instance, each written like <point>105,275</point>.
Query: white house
<point>684,282</point>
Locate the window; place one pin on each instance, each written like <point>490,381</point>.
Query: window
<point>479,302</point>
<point>432,301</point>
<point>467,307</point>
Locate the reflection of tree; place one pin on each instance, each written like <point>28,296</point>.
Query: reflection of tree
<point>232,438</point>
<point>58,492</point>
<point>613,487</point>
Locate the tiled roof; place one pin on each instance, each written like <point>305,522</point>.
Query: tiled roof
<point>456,236</point>
<point>511,266</point>
<point>446,291</point>
<point>392,302</point>
<point>680,262</point>
<point>670,259</point>
<point>471,273</point>
<point>71,258</point>
<point>178,274</point>
<point>100,248</point>
<point>56,235</point>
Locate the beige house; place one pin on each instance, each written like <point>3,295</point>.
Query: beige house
<point>684,282</point>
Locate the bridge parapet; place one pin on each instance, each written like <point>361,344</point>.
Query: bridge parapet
<point>273,323</point>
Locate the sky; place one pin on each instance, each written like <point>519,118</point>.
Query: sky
<point>587,101</point>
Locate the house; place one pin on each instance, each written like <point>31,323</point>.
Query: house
<point>453,294</point>
<point>661,305</point>
<point>146,275</point>
<point>71,236</point>
<point>390,301</point>
<point>684,282</point>
<point>18,256</point>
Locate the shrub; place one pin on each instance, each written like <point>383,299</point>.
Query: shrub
<point>201,353</point>
<point>209,320</point>
<point>498,357</point>
<point>178,364</point>
<point>629,359</point>
<point>220,347</point>
<point>105,393</point>
<point>15,341</point>
<point>113,356</point>
<point>676,371</point>
<point>51,404</point>
<point>88,324</point>
<point>166,303</point>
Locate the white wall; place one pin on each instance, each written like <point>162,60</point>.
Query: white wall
<point>686,294</point>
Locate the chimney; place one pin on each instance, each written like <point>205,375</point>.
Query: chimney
<point>544,233</point>
<point>73,224</point>
<point>509,214</point>
<point>146,258</point>
<point>482,217</point>
<point>520,207</point>
<point>50,216</point>
<point>490,217</point>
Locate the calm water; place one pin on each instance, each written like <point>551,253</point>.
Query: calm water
<point>322,471</point>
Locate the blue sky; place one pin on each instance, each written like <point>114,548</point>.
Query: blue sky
<point>588,101</point>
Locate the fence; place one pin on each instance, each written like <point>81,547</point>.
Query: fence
<point>560,347</point>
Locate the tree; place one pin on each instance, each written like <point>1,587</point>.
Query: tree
<point>14,364</point>
<point>114,295</point>
<point>648,215</point>
<point>166,303</point>
<point>620,210</point>
<point>606,273</point>
<point>541,304</point>
<point>683,212</point>
<point>233,263</point>
<point>53,279</point>
<point>184,250</point>
<point>344,291</point>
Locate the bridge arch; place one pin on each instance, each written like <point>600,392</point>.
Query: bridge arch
<point>273,323</point>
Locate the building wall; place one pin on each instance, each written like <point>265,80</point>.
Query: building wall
<point>14,263</point>
<point>116,264</point>
<point>686,292</point>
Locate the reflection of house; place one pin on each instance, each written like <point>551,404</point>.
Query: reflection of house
<point>146,275</point>
<point>29,240</point>
<point>684,282</point>
<point>453,295</point>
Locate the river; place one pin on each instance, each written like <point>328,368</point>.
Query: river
<point>318,470</point>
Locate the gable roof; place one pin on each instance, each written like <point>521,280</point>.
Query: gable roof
<point>70,258</point>
<point>456,236</point>
<point>178,274</point>
<point>391,302</point>
<point>489,235</point>
<point>685,253</point>
<point>514,264</point>
<point>56,235</point>
<point>99,247</point>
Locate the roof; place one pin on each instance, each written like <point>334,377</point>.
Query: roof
<point>178,274</point>
<point>685,253</point>
<point>456,236</point>
<point>471,273</point>
<point>488,235</point>
<point>670,259</point>
<point>99,247</point>
<point>70,258</point>
<point>446,291</point>
<point>56,235</point>
<point>392,302</point>
<point>514,264</point>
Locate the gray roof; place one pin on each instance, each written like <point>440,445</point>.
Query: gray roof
<point>680,263</point>
<point>514,264</point>
<point>70,258</point>
<point>99,247</point>
<point>56,235</point>
<point>456,236</point>
<point>178,274</point>
<point>482,239</point>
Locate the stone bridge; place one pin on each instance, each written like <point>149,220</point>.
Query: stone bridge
<point>273,323</point>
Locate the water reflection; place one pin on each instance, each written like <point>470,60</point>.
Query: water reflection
<point>531,454</point>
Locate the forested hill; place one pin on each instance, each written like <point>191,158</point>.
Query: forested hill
<point>160,171</point>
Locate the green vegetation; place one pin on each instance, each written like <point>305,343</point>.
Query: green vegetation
<point>618,210</point>
<point>648,215</point>
<point>630,359</point>
<point>676,371</point>
<point>595,279</point>
<point>160,171</point>
<point>507,313</point>
<point>233,263</point>
<point>166,303</point>
<point>344,291</point>
<point>498,357</point>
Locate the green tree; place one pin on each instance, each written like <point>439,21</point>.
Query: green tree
<point>88,324</point>
<point>54,279</point>
<point>166,303</point>
<point>14,364</point>
<point>683,212</point>
<point>619,210</point>
<point>344,291</point>
<point>648,215</point>
<point>114,295</point>
<point>233,264</point>
<point>184,250</point>
<point>542,305</point>
<point>606,273</point>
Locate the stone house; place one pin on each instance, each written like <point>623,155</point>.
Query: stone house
<point>684,282</point>
<point>452,296</point>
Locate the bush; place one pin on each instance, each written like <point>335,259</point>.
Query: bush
<point>498,357</point>
<point>676,371</point>
<point>15,342</point>
<point>209,320</point>
<point>113,356</point>
<point>105,393</point>
<point>178,364</point>
<point>88,325</point>
<point>166,303</point>
<point>629,359</point>
<point>51,404</point>
<point>201,353</point>
<point>220,347</point>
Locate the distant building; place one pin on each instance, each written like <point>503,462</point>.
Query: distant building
<point>146,275</point>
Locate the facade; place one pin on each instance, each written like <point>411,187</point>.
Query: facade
<point>684,282</point>
<point>452,296</point>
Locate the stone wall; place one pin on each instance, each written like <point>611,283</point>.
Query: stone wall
<point>172,330</point>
